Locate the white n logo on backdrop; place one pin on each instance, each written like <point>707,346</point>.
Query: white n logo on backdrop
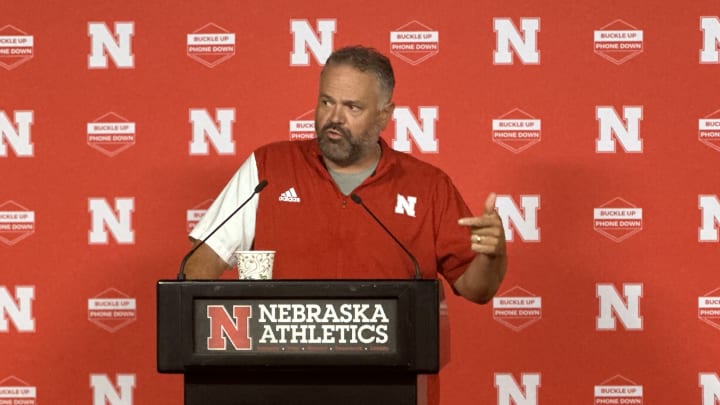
<point>710,384</point>
<point>304,38</point>
<point>18,308</point>
<point>525,45</point>
<point>523,221</point>
<point>104,390</point>
<point>627,132</point>
<point>710,27</point>
<point>709,228</point>
<point>612,306</point>
<point>218,131</point>
<point>509,391</point>
<point>116,44</point>
<point>17,135</point>
<point>103,218</point>
<point>406,125</point>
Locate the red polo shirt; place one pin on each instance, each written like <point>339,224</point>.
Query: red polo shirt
<point>319,233</point>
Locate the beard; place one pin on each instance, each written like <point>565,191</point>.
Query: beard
<point>348,149</point>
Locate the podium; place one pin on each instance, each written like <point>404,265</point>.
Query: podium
<point>298,341</point>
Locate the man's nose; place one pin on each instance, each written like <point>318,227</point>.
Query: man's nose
<point>336,114</point>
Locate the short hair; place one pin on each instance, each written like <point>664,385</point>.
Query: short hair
<point>366,59</point>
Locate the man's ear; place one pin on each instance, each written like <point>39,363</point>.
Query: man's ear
<point>386,113</point>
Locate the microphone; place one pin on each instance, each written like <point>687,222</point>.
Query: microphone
<point>356,199</point>
<point>258,189</point>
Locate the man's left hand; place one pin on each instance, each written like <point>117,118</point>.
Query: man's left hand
<point>487,235</point>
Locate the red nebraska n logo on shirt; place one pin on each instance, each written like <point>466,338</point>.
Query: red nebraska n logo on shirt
<point>223,327</point>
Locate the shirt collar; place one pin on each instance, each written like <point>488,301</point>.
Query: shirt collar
<point>314,155</point>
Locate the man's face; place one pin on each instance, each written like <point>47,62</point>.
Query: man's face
<point>348,121</point>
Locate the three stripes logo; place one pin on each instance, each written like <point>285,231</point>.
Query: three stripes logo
<point>289,196</point>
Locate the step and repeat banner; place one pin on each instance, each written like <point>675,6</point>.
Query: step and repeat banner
<point>597,123</point>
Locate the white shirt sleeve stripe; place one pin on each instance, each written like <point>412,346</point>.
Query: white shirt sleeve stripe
<point>238,233</point>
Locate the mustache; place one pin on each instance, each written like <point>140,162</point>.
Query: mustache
<point>336,127</point>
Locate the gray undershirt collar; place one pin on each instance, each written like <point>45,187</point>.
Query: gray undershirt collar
<point>347,182</point>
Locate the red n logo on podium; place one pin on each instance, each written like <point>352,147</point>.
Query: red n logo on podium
<point>223,327</point>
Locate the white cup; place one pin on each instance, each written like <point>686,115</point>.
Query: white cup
<point>255,264</point>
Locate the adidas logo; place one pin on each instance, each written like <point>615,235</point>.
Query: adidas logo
<point>289,196</point>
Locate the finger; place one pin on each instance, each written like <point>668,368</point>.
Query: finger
<point>485,239</point>
<point>469,221</point>
<point>481,222</point>
<point>489,245</point>
<point>484,248</point>
<point>493,231</point>
<point>490,203</point>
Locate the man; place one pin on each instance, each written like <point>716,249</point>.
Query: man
<point>306,213</point>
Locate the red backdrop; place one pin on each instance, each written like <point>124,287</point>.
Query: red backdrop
<point>596,123</point>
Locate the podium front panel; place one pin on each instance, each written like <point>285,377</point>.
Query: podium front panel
<point>298,324</point>
<point>317,327</point>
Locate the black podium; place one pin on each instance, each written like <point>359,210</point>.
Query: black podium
<point>298,342</point>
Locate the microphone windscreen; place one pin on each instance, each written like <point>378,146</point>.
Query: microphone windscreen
<point>261,186</point>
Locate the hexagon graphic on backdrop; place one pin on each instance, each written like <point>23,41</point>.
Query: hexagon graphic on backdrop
<point>16,222</point>
<point>303,126</point>
<point>618,42</point>
<point>195,214</point>
<point>414,42</point>
<point>517,308</point>
<point>618,219</point>
<point>516,130</point>
<point>17,391</point>
<point>618,390</point>
<point>112,310</point>
<point>211,45</point>
<point>709,130</point>
<point>709,308</point>
<point>16,47</point>
<point>111,134</point>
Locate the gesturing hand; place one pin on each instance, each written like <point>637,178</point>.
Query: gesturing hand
<point>487,235</point>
